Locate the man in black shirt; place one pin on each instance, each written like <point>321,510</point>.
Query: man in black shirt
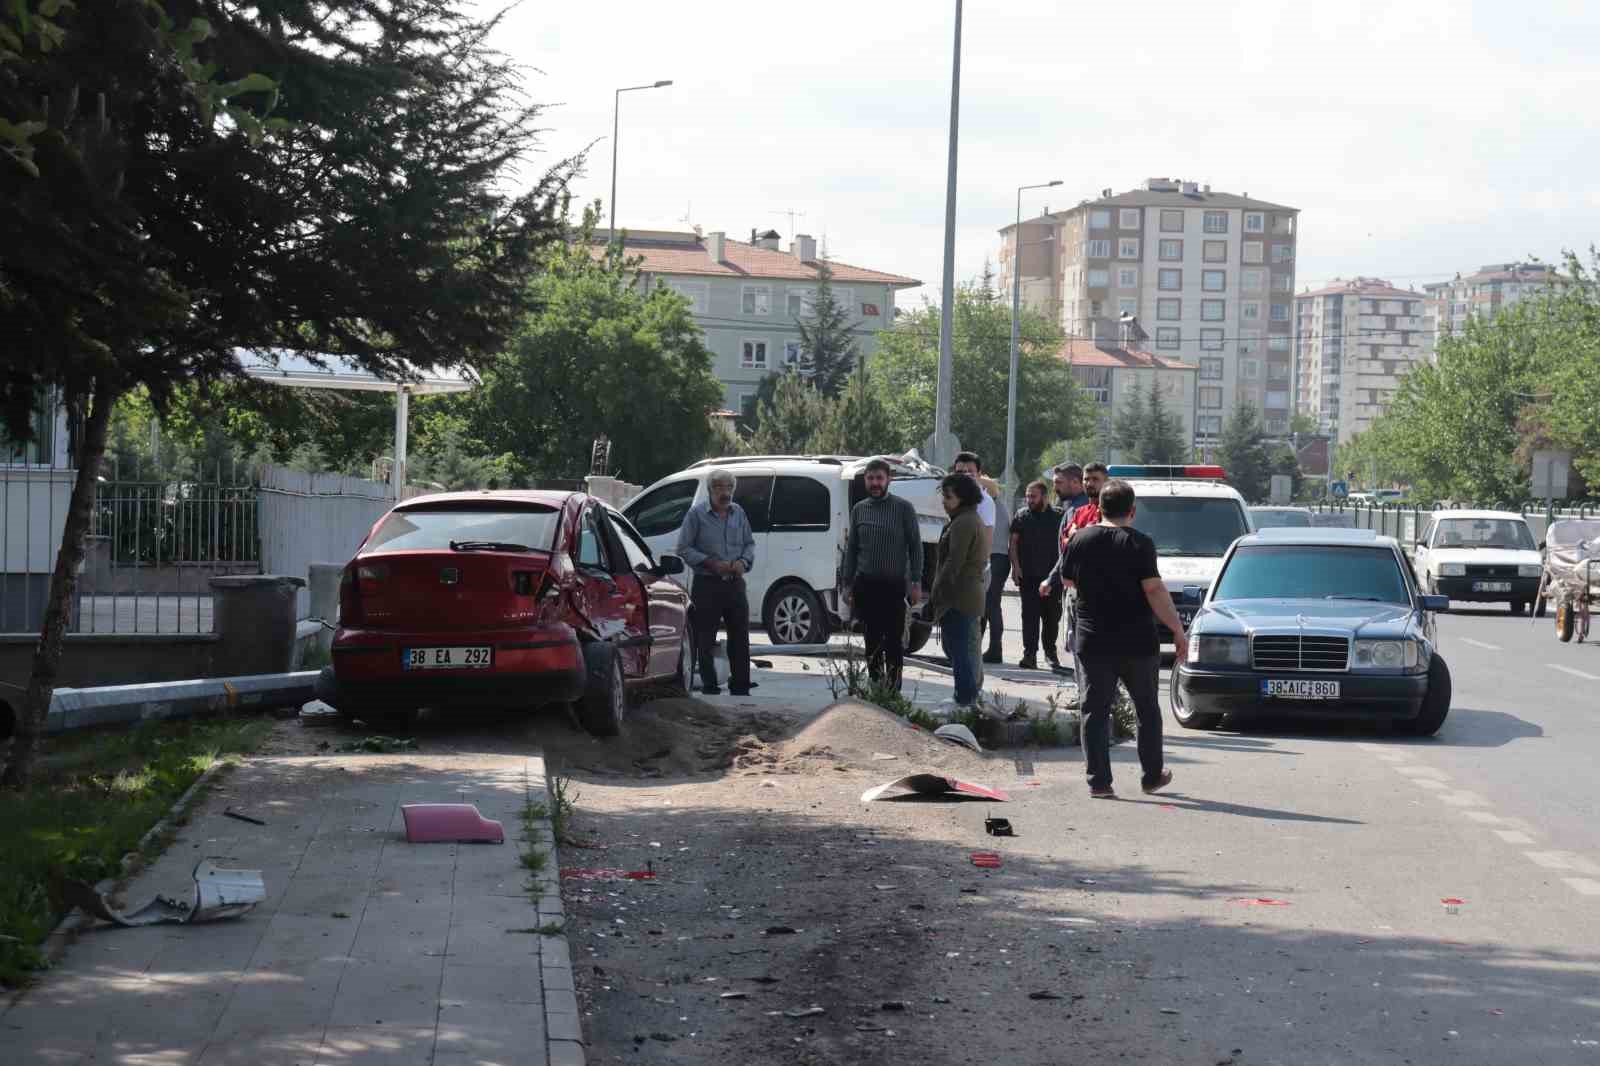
<point>1119,597</point>
<point>1034,532</point>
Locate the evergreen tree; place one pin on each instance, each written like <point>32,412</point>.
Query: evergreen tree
<point>857,423</point>
<point>1164,440</point>
<point>789,423</point>
<point>827,340</point>
<point>1243,455</point>
<point>1130,427</point>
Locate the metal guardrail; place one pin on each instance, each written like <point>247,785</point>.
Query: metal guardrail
<point>1405,521</point>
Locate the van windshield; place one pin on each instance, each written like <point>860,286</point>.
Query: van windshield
<point>1188,525</point>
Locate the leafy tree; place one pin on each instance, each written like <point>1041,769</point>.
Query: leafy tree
<point>725,440</point>
<point>1050,405</point>
<point>1243,455</point>
<point>174,206</point>
<point>827,338</point>
<point>451,463</point>
<point>856,422</point>
<point>1302,423</point>
<point>600,355</point>
<point>790,422</point>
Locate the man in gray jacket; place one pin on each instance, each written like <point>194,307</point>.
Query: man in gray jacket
<point>882,570</point>
<point>717,543</point>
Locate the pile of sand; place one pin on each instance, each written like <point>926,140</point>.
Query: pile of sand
<point>854,736</point>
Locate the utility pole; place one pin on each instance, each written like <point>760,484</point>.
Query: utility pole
<point>616,129</point>
<point>943,452</point>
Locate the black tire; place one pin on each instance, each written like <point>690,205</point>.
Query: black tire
<point>1436,704</point>
<point>794,615</point>
<point>683,680</point>
<point>1566,621</point>
<point>1187,719</point>
<point>605,698</point>
<point>1519,607</point>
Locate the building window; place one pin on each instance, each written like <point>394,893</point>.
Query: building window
<point>1127,278</point>
<point>1282,253</point>
<point>1213,310</point>
<point>1169,280</point>
<point>1128,305</point>
<point>1280,312</point>
<point>753,355</point>
<point>1209,425</point>
<point>1255,222</point>
<point>1252,251</point>
<point>1214,280</point>
<point>1216,222</point>
<point>1215,251</point>
<point>697,293</point>
<point>1167,337</point>
<point>1211,396</point>
<point>1249,342</point>
<point>791,353</point>
<point>1169,310</point>
<point>1283,225</point>
<point>1282,283</point>
<point>747,406</point>
<point>1172,220</point>
<point>1250,311</point>
<point>1277,371</point>
<point>1211,340</point>
<point>1100,218</point>
<point>1100,249</point>
<point>1278,344</point>
<point>1096,308</point>
<point>1128,248</point>
<point>1277,426</point>
<point>1171,250</point>
<point>1099,278</point>
<point>756,299</point>
<point>845,300</point>
<point>1254,280</point>
<point>1250,369</point>
<point>1128,218</point>
<point>800,301</point>
<point>1210,369</point>
<point>1277,398</point>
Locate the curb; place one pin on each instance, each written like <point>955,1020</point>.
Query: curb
<point>563,1024</point>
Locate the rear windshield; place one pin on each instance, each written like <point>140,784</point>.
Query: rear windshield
<point>1309,572</point>
<point>433,528</point>
<point>1189,525</point>
<point>1281,519</point>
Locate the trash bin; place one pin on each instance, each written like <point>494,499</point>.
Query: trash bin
<point>254,618</point>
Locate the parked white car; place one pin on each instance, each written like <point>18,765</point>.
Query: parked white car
<point>1480,557</point>
<point>799,508</point>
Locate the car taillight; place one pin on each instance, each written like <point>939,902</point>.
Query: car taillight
<point>369,574</point>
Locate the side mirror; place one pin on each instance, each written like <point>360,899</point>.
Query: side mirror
<point>1437,604</point>
<point>669,565</point>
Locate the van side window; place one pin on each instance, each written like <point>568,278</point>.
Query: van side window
<point>753,492</point>
<point>801,503</point>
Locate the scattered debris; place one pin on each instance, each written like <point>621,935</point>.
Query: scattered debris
<point>581,873</point>
<point>380,745</point>
<point>340,914</point>
<point>1452,905</point>
<point>1170,1010</point>
<point>1259,901</point>
<point>885,888</point>
<point>450,823</point>
<point>894,1005</point>
<point>941,999</point>
<point>956,733</point>
<point>217,894</point>
<point>317,713</point>
<point>231,813</point>
<point>1043,994</point>
<point>733,995</point>
<point>879,756</point>
<point>988,860</point>
<point>931,784</point>
<point>780,930</point>
<point>872,1027</point>
<point>998,827</point>
<point>803,1012</point>
<point>1087,881</point>
<point>765,980</point>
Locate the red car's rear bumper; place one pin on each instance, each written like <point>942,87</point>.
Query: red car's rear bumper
<point>531,666</point>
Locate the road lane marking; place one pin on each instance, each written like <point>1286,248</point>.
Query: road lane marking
<point>1389,756</point>
<point>1513,836</point>
<point>1562,860</point>
<point>1584,886</point>
<point>1485,817</point>
<point>1481,644</point>
<point>1428,782</point>
<point>1463,799</point>
<point>1574,673</point>
<point>1423,771</point>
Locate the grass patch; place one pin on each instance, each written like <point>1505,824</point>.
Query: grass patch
<point>547,929</point>
<point>848,676</point>
<point>94,796</point>
<point>566,798</point>
<point>532,857</point>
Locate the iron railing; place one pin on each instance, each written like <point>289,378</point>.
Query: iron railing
<point>1406,521</point>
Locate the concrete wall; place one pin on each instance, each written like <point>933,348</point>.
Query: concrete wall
<point>315,518</point>
<point>90,659</point>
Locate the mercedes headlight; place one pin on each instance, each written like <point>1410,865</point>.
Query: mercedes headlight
<point>1530,570</point>
<point>1219,651</point>
<point>1452,569</point>
<point>1387,655</point>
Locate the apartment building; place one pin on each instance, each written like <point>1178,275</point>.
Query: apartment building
<point>1109,370</point>
<point>749,297</point>
<point>1356,339</point>
<point>1451,303</point>
<point>1209,274</point>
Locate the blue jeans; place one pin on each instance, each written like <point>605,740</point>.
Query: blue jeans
<point>955,634</point>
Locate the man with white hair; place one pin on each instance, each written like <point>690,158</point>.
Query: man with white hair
<point>718,545</point>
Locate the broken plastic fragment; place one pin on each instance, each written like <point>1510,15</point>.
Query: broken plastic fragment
<point>989,860</point>
<point>803,1012</point>
<point>930,784</point>
<point>217,894</point>
<point>449,823</point>
<point>1259,901</point>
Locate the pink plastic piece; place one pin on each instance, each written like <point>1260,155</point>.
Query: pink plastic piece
<point>450,823</point>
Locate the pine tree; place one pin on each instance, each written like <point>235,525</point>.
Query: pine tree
<point>1130,427</point>
<point>1243,455</point>
<point>857,422</point>
<point>789,423</point>
<point>1163,442</point>
<point>827,341</point>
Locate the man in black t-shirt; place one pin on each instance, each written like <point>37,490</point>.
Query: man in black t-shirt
<point>1120,595</point>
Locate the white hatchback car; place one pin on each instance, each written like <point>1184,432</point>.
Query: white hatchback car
<point>799,508</point>
<point>1480,557</point>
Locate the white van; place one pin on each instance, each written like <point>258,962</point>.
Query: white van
<point>799,508</point>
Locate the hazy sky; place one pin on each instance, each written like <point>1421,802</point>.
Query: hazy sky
<point>1417,140</point>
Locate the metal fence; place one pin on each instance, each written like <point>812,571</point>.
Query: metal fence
<point>1405,522</point>
<point>315,518</point>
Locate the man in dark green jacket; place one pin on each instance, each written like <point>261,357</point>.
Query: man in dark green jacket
<point>882,571</point>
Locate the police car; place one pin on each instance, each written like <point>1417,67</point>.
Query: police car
<point>1193,515</point>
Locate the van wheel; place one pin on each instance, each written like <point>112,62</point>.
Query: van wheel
<point>1186,718</point>
<point>1436,704</point>
<point>604,699</point>
<point>794,615</point>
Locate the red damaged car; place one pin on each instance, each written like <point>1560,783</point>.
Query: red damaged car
<point>506,599</point>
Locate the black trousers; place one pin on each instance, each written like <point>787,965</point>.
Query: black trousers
<point>881,606</point>
<point>719,602</point>
<point>993,618</point>
<point>1139,673</point>
<point>1037,612</point>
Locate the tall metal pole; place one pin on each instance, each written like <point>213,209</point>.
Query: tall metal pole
<point>947,299</point>
<point>1010,476</point>
<point>616,127</point>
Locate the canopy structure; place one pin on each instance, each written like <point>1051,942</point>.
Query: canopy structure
<point>296,371</point>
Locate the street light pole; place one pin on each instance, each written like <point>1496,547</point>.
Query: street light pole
<point>616,124</point>
<point>1010,476</point>
<point>947,299</point>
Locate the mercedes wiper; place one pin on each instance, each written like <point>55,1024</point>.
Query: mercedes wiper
<point>487,546</point>
<point>1362,599</point>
